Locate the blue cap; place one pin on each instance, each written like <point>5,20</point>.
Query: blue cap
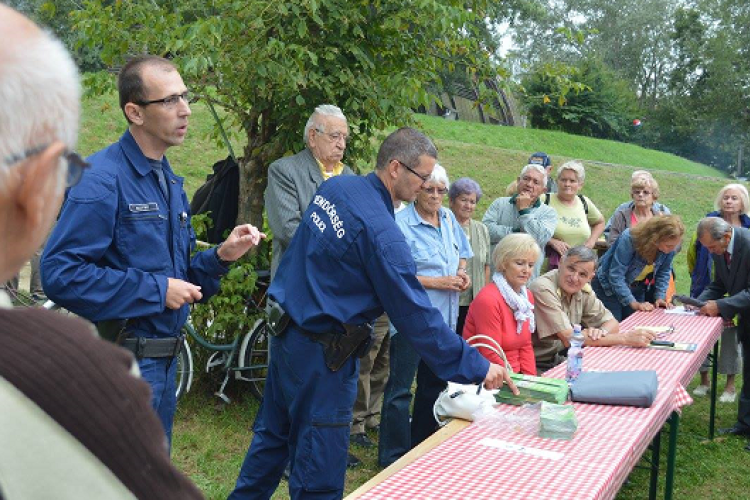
<point>540,158</point>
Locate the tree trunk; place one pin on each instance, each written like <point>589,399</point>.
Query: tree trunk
<point>253,180</point>
<point>258,155</point>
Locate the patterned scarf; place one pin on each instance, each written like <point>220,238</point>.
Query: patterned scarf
<point>518,302</point>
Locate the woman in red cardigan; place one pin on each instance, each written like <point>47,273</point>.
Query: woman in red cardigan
<point>504,308</point>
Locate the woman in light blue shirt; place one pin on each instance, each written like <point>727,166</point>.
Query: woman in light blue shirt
<point>648,247</point>
<point>440,249</point>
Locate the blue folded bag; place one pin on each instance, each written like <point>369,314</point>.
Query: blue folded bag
<point>634,388</point>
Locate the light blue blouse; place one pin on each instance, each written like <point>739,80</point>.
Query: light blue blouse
<point>436,253</point>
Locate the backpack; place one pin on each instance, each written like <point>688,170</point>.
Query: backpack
<point>219,196</point>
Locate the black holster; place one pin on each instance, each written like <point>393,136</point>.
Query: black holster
<point>112,330</point>
<point>356,340</point>
<point>278,319</point>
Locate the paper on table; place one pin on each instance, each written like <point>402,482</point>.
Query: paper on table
<point>678,346</point>
<point>528,450</point>
<point>680,310</point>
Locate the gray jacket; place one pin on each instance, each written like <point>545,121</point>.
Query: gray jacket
<point>292,182</point>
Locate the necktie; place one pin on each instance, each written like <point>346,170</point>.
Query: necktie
<point>727,258</point>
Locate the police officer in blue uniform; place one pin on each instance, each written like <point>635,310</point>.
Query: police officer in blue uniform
<point>347,263</point>
<point>120,253</point>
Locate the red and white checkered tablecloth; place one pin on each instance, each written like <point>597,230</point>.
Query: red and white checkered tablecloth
<point>504,460</point>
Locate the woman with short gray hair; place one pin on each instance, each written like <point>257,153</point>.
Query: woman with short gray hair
<point>732,206</point>
<point>579,222</point>
<point>464,195</point>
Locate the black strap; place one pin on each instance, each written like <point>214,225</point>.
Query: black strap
<point>142,347</point>
<point>580,197</point>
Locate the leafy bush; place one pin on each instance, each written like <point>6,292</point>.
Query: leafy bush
<point>225,316</point>
<point>602,107</point>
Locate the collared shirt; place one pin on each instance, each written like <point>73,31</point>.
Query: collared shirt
<point>555,311</point>
<point>336,169</point>
<point>118,242</point>
<point>436,253</point>
<point>348,262</point>
<point>730,247</point>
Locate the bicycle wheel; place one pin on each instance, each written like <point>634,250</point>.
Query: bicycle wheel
<point>254,358</point>
<point>184,376</point>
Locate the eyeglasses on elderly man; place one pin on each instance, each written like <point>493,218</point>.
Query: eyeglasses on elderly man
<point>76,165</point>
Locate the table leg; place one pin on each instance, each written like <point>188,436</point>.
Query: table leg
<point>714,379</point>
<point>655,455</point>
<point>674,424</point>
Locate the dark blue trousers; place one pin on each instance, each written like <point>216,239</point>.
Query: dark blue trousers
<point>395,428</point>
<point>160,374</point>
<point>305,419</point>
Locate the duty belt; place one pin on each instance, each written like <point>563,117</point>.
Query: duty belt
<point>143,347</point>
<point>339,347</point>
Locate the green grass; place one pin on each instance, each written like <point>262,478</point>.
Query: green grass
<point>559,146</point>
<point>210,441</point>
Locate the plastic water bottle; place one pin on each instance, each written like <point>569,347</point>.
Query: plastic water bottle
<point>575,355</point>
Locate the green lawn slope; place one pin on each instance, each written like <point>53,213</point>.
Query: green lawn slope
<point>562,145</point>
<point>211,440</point>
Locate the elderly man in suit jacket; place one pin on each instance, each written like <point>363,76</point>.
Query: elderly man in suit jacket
<point>293,180</point>
<point>729,295</point>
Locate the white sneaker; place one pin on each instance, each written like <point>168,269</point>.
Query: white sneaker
<point>728,397</point>
<point>701,390</point>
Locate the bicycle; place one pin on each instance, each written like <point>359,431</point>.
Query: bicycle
<point>245,358</point>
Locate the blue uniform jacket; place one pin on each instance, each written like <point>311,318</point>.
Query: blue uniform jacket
<point>621,265</point>
<point>117,242</point>
<point>348,261</point>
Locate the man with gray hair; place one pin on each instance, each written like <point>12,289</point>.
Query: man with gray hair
<point>523,212</point>
<point>75,419</point>
<point>563,298</point>
<point>293,180</point>
<point>728,295</point>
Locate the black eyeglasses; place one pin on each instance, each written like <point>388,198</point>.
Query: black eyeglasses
<point>76,164</point>
<point>169,101</point>
<point>424,178</point>
<point>334,137</point>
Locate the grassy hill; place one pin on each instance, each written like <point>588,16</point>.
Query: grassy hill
<point>210,441</point>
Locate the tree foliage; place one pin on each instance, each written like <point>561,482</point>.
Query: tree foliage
<point>631,37</point>
<point>706,116</point>
<point>56,16</point>
<point>602,107</point>
<point>269,63</point>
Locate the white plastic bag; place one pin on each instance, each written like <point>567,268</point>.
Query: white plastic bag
<point>461,401</point>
